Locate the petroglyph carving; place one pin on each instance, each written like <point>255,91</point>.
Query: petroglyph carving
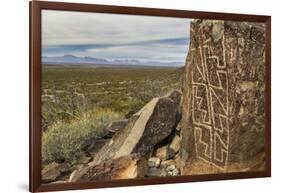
<point>210,106</point>
<point>223,97</point>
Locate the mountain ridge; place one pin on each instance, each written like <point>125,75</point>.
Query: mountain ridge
<point>89,60</point>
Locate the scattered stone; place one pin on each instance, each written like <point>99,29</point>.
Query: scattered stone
<point>156,172</point>
<point>132,140</point>
<point>170,168</point>
<point>51,172</point>
<point>167,163</point>
<point>165,153</point>
<point>79,166</point>
<point>162,152</point>
<point>85,160</point>
<point>174,172</point>
<point>130,114</point>
<point>154,162</point>
<point>96,146</point>
<point>114,127</point>
<point>65,168</point>
<point>78,173</point>
<point>175,144</point>
<point>72,175</point>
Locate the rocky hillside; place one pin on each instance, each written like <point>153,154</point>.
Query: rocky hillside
<point>223,98</point>
<point>146,144</point>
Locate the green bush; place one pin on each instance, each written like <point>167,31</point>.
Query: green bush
<point>66,140</point>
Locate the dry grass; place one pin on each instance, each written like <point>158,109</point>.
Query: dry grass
<point>65,141</point>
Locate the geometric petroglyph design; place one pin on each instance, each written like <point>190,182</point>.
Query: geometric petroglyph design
<point>210,107</point>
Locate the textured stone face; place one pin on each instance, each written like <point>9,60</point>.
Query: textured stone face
<point>223,94</point>
<point>146,128</point>
<point>125,155</point>
<point>124,167</point>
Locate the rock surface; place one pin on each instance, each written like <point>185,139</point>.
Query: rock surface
<point>50,172</point>
<point>124,167</point>
<point>223,93</point>
<point>167,163</point>
<point>125,155</point>
<point>165,153</point>
<point>156,172</point>
<point>172,170</point>
<point>115,127</point>
<point>175,144</point>
<point>154,162</point>
<point>54,171</point>
<point>154,122</point>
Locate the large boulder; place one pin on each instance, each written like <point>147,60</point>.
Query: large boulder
<point>223,96</point>
<point>145,129</point>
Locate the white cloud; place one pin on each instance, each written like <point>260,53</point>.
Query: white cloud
<point>76,28</point>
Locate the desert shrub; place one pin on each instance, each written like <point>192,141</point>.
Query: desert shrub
<point>155,88</point>
<point>65,141</point>
<point>69,91</point>
<point>63,105</point>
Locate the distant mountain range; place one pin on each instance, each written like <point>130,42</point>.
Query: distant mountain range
<point>88,60</point>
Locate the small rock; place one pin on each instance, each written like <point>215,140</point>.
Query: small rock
<point>71,177</point>
<point>51,172</point>
<point>167,163</point>
<point>170,168</point>
<point>161,152</point>
<point>76,174</point>
<point>130,114</point>
<point>174,172</point>
<point>154,162</point>
<point>65,168</point>
<point>165,153</point>
<point>175,144</point>
<point>114,127</point>
<point>59,182</point>
<point>79,166</point>
<point>85,160</point>
<point>156,172</point>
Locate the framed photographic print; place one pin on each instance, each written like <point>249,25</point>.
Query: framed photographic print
<point>123,96</point>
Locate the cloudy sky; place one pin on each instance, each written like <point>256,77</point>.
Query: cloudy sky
<point>114,36</point>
